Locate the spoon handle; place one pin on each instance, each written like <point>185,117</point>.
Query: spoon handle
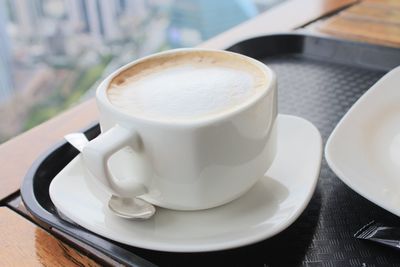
<point>77,140</point>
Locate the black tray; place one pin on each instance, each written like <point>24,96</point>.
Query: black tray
<point>318,79</point>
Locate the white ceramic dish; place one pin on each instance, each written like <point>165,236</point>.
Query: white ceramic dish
<point>364,148</point>
<point>273,204</point>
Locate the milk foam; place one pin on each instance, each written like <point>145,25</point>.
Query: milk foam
<point>185,89</point>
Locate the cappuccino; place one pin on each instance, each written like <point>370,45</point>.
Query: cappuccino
<point>200,126</point>
<point>186,86</point>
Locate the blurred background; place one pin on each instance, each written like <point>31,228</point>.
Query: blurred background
<point>54,52</point>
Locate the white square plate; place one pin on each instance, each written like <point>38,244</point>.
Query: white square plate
<point>364,148</point>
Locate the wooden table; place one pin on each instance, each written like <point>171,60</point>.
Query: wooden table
<point>24,243</point>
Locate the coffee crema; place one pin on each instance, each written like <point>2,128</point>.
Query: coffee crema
<point>186,86</point>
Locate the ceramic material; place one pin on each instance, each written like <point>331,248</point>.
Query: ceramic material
<point>187,165</point>
<point>364,148</point>
<point>128,208</point>
<point>275,202</point>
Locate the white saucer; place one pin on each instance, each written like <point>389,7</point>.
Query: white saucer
<point>273,204</point>
<point>364,148</point>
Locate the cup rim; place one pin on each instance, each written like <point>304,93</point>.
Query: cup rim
<point>102,99</point>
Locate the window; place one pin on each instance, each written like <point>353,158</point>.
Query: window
<point>54,52</point>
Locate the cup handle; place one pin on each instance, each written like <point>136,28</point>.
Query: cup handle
<point>97,153</point>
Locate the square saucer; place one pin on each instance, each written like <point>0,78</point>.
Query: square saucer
<point>273,204</point>
<point>364,148</point>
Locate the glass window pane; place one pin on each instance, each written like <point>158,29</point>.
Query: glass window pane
<point>53,53</point>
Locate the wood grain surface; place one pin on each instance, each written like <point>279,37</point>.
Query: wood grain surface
<point>24,244</point>
<point>374,21</point>
<point>18,154</point>
<point>285,17</point>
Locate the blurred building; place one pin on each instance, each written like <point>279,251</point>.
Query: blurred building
<point>96,17</point>
<point>55,41</point>
<point>132,9</point>
<point>6,81</point>
<point>107,18</point>
<point>207,17</point>
<point>77,15</point>
<point>27,14</point>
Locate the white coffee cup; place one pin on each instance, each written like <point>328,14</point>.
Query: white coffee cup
<point>186,164</point>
